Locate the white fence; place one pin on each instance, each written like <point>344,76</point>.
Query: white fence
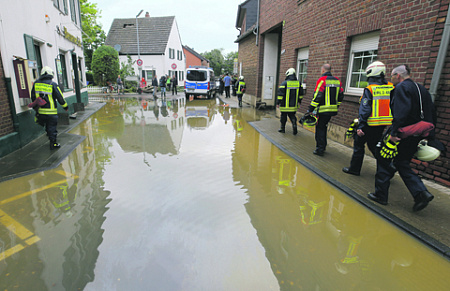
<point>94,89</point>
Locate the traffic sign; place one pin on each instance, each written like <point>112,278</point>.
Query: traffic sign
<point>139,62</point>
<point>174,66</point>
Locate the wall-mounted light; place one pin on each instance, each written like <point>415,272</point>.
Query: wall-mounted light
<point>47,18</point>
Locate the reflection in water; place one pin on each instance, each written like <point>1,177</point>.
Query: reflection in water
<point>176,195</point>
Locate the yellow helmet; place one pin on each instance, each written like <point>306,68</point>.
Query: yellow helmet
<point>425,153</point>
<point>47,70</point>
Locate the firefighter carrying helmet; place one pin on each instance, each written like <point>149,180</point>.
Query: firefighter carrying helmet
<point>241,78</point>
<point>425,153</point>
<point>47,70</point>
<point>376,69</point>
<point>308,120</point>
<point>289,72</point>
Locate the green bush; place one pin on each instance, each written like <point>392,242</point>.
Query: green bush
<point>105,65</point>
<point>90,77</point>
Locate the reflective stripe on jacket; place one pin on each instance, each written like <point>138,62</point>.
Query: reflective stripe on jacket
<point>240,87</point>
<point>381,111</point>
<point>290,94</point>
<point>50,92</point>
<point>328,95</point>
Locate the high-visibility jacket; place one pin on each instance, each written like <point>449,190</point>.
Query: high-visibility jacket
<point>328,95</point>
<point>381,111</point>
<point>290,94</point>
<point>240,87</point>
<point>50,92</point>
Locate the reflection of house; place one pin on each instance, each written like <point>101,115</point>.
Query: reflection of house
<point>159,45</point>
<point>288,34</point>
<point>44,33</point>
<point>193,58</point>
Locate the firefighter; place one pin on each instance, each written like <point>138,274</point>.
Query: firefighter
<point>240,89</point>
<point>290,95</point>
<point>48,90</point>
<point>374,116</point>
<point>328,95</point>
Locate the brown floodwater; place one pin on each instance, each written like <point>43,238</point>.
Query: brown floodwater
<point>186,195</point>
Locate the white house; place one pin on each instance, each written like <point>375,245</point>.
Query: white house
<point>159,46</point>
<point>33,34</point>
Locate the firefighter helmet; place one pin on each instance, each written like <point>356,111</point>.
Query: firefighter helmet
<point>376,69</point>
<point>47,70</point>
<point>308,120</point>
<point>289,72</point>
<point>425,153</point>
<point>241,78</point>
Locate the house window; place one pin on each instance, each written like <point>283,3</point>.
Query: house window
<point>62,58</point>
<point>37,53</point>
<point>171,53</point>
<point>73,12</point>
<point>179,55</point>
<point>364,50</point>
<point>302,65</point>
<point>181,76</point>
<point>61,5</point>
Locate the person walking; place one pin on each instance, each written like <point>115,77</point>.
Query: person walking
<point>221,86</point>
<point>49,91</point>
<point>240,89</point>
<point>155,85</point>
<point>410,103</point>
<point>233,84</point>
<point>162,85</point>
<point>168,83</point>
<point>174,83</point>
<point>227,83</point>
<point>119,85</point>
<point>374,116</point>
<point>290,95</point>
<point>328,95</point>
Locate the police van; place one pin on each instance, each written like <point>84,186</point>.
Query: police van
<point>200,81</point>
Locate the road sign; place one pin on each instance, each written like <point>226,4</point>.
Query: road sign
<point>139,62</point>
<point>174,66</point>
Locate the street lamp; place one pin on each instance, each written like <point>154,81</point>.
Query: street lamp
<point>137,33</point>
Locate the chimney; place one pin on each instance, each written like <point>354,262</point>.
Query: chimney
<point>147,14</point>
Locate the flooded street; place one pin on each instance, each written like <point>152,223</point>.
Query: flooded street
<point>186,195</point>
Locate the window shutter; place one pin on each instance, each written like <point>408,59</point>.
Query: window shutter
<point>303,54</point>
<point>365,42</point>
<point>29,47</point>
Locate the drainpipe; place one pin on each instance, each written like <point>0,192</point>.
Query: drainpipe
<point>256,30</point>
<point>440,60</point>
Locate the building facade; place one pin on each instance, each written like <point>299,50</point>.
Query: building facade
<point>44,33</point>
<point>306,34</point>
<point>193,58</point>
<point>154,40</point>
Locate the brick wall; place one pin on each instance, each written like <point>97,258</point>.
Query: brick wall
<point>248,55</point>
<point>191,60</point>
<point>6,123</point>
<point>410,32</point>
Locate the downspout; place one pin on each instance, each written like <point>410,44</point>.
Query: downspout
<point>256,30</point>
<point>440,60</point>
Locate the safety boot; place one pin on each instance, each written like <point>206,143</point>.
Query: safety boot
<point>54,145</point>
<point>294,128</point>
<point>422,200</point>
<point>282,130</point>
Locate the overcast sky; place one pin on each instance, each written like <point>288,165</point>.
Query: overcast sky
<point>204,25</point>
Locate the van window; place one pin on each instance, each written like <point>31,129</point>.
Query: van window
<point>196,75</point>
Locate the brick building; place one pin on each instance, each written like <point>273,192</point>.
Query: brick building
<point>305,34</point>
<point>193,58</point>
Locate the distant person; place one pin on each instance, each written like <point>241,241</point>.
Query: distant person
<point>162,85</point>
<point>328,95</point>
<point>240,89</point>
<point>227,83</point>
<point>374,116</point>
<point>155,85</point>
<point>410,103</point>
<point>174,83</point>
<point>289,97</point>
<point>142,85</point>
<point>119,85</point>
<point>168,82</point>
<point>221,86</point>
<point>47,116</point>
<point>233,84</point>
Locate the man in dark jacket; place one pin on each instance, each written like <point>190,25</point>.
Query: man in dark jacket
<point>410,103</point>
<point>374,116</point>
<point>155,85</point>
<point>162,84</point>
<point>49,91</point>
<point>290,94</point>
<point>328,95</point>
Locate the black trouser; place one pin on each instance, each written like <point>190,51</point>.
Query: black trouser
<point>372,135</point>
<point>227,91</point>
<point>50,121</point>
<point>406,149</point>
<point>234,90</point>
<point>239,97</point>
<point>321,132</point>
<point>284,116</point>
<point>174,89</point>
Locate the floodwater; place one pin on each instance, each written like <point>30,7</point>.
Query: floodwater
<point>180,195</point>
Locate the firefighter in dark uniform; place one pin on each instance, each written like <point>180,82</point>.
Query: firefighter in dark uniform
<point>290,94</point>
<point>410,103</point>
<point>48,90</point>
<point>240,89</point>
<point>328,95</point>
<point>374,116</point>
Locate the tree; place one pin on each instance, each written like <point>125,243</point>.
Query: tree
<point>93,36</point>
<point>127,68</point>
<point>105,64</point>
<point>228,64</point>
<point>216,60</point>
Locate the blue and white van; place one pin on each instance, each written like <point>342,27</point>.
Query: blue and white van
<point>200,81</point>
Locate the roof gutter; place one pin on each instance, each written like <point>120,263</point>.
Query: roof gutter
<point>440,60</point>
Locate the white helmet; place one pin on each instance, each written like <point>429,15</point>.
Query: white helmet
<point>241,78</point>
<point>289,72</point>
<point>425,153</point>
<point>375,69</point>
<point>47,70</point>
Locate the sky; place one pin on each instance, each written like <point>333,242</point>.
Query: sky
<point>204,25</point>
